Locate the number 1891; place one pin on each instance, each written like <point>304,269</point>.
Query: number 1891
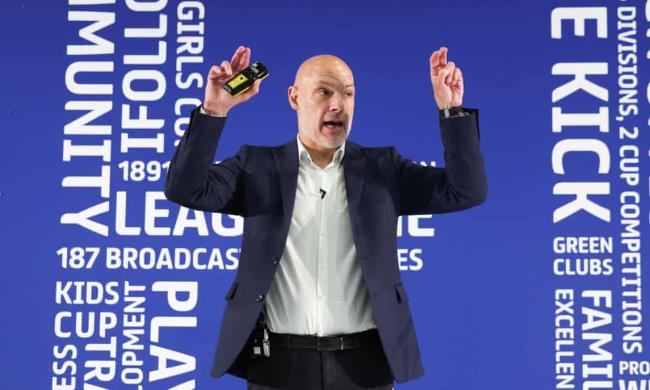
<point>140,170</point>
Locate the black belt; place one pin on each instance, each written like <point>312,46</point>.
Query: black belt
<point>363,339</point>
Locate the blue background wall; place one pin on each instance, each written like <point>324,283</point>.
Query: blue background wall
<point>483,301</point>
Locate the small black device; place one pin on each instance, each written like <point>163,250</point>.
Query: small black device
<point>245,79</point>
<point>260,338</point>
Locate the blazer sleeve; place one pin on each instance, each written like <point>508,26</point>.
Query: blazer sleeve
<point>461,184</point>
<point>194,180</point>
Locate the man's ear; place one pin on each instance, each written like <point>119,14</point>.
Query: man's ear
<point>292,94</point>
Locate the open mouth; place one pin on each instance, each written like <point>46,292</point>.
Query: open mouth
<point>333,124</point>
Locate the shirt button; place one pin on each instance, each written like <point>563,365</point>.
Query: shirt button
<point>260,297</point>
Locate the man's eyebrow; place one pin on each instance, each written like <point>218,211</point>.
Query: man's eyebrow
<point>332,85</point>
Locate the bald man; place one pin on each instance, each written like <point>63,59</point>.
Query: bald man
<point>318,301</point>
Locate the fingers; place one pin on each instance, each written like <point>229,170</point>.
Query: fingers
<point>227,69</point>
<point>216,73</point>
<point>446,73</point>
<point>434,59</point>
<point>220,72</point>
<point>238,62</point>
<point>240,59</point>
<point>246,57</point>
<point>225,65</point>
<point>236,57</point>
<point>456,77</point>
<point>438,60</point>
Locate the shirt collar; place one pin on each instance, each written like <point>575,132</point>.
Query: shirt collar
<point>303,154</point>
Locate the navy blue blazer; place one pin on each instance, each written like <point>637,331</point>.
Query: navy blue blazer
<point>259,183</point>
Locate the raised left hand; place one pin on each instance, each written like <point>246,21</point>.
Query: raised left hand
<point>446,79</point>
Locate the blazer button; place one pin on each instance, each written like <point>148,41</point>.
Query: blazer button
<point>260,297</point>
<point>275,260</point>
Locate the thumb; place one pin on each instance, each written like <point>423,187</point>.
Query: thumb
<point>256,86</point>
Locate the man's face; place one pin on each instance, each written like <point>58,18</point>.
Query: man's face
<point>324,100</point>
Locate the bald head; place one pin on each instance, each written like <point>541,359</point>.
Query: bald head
<point>325,64</point>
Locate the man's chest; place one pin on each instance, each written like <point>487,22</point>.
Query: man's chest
<point>321,200</point>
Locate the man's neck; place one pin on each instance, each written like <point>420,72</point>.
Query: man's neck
<point>322,158</point>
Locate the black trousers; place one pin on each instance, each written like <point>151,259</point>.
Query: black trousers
<point>299,369</point>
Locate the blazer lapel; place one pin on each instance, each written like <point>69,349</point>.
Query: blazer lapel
<point>354,163</point>
<point>286,164</point>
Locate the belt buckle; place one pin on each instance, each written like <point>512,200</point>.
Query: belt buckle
<point>319,344</point>
<point>329,343</point>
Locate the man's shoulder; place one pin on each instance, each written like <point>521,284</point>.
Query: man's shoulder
<point>259,155</point>
<point>268,148</point>
<point>374,151</point>
<point>261,148</point>
<point>377,149</point>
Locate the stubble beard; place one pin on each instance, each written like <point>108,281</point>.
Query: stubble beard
<point>322,140</point>
<point>331,143</point>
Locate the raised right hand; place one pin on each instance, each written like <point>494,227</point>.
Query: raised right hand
<point>446,79</point>
<point>217,101</point>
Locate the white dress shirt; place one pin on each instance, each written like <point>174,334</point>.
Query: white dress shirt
<point>318,287</point>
